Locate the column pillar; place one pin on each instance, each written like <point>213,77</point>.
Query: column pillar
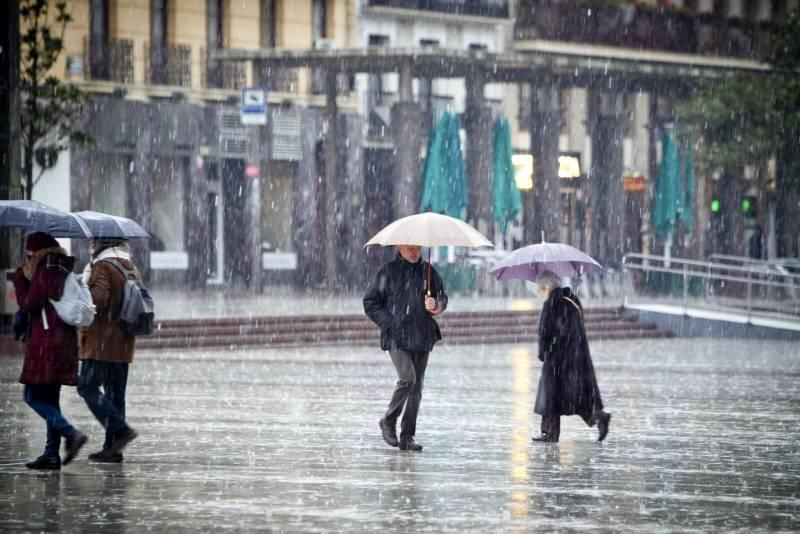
<point>607,195</point>
<point>138,187</point>
<point>407,132</point>
<point>197,210</point>
<point>352,228</point>
<point>479,126</point>
<point>10,187</point>
<point>258,166</point>
<point>330,186</point>
<point>543,210</point>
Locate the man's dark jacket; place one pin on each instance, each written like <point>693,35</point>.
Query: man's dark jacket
<point>396,303</point>
<point>567,385</point>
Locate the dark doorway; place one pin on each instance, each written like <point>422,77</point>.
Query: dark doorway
<point>213,226</point>
<point>234,200</point>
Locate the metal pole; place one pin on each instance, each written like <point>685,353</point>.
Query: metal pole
<point>685,286</point>
<point>749,292</point>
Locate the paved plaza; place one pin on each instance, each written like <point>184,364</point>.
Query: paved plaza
<point>703,436</point>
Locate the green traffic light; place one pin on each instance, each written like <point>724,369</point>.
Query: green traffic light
<point>715,206</point>
<point>747,206</point>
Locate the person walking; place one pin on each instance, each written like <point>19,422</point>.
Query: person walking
<point>567,384</point>
<point>402,300</point>
<point>51,349</point>
<point>105,350</point>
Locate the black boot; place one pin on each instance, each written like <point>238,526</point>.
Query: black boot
<point>389,432</point>
<point>602,426</point>
<point>72,445</point>
<point>122,438</point>
<point>408,444</point>
<point>45,462</point>
<point>106,457</point>
<point>545,437</point>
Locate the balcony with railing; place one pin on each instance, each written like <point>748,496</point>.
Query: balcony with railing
<point>113,62</point>
<point>640,27</point>
<point>475,8</point>
<point>172,67</point>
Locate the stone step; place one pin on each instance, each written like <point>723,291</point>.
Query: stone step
<point>367,337</point>
<point>367,328</point>
<point>590,314</point>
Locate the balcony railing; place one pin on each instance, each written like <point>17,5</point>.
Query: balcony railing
<point>177,67</point>
<point>477,8</point>
<point>638,26</point>
<point>114,61</point>
<point>120,56</point>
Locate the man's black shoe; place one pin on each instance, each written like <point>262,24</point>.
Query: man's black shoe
<point>389,433</point>
<point>122,438</point>
<point>544,437</point>
<point>602,426</point>
<point>45,462</point>
<point>408,444</point>
<point>72,445</point>
<point>106,457</point>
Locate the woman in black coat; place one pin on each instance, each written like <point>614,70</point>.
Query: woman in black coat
<point>567,385</point>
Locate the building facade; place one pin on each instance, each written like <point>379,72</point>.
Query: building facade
<point>225,203</point>
<point>354,87</point>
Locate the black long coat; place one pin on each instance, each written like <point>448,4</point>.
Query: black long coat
<point>567,385</point>
<point>396,303</point>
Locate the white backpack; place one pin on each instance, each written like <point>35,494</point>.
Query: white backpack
<point>75,306</point>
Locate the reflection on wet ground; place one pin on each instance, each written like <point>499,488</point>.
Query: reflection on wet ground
<point>704,436</point>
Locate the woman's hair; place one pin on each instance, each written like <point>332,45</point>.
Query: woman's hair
<point>548,279</point>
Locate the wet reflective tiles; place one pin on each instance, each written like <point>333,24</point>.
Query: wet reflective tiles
<point>703,436</point>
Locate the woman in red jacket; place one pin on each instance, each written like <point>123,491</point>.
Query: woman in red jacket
<point>51,352</point>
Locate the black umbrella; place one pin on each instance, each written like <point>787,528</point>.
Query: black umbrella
<point>105,226</point>
<point>33,216</point>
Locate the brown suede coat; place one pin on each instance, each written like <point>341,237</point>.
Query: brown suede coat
<point>104,339</point>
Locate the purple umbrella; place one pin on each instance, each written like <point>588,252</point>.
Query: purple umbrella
<point>527,263</point>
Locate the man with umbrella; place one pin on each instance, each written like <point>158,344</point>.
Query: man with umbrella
<point>402,300</point>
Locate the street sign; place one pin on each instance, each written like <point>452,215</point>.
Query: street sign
<point>254,106</point>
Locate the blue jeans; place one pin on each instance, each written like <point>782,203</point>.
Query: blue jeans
<point>107,406</point>
<point>44,399</point>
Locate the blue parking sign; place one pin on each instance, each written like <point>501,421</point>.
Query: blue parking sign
<point>254,106</point>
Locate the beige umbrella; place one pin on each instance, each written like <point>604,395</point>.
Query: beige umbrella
<point>430,230</point>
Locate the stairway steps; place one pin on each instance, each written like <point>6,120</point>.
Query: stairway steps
<point>449,328</point>
<point>481,327</point>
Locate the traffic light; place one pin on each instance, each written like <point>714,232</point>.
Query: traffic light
<point>749,207</point>
<point>715,206</point>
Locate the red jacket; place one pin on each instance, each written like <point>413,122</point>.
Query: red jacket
<point>51,356</point>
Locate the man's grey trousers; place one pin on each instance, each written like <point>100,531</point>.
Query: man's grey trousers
<point>410,368</point>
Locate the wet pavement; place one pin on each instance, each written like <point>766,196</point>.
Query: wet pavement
<point>703,436</point>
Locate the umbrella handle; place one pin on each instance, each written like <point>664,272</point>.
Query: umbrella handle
<point>428,286</point>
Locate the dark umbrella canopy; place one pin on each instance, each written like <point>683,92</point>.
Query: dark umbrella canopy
<point>33,216</point>
<point>105,226</point>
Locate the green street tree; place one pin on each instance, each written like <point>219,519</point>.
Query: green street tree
<point>747,120</point>
<point>50,109</point>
